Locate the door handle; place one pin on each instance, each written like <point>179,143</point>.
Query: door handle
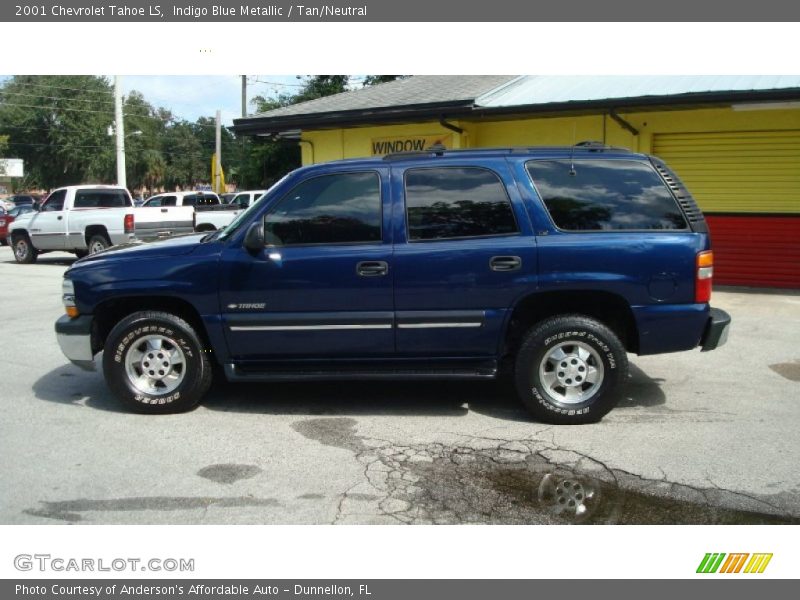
<point>163,210</point>
<point>372,268</point>
<point>505,263</point>
<point>60,217</point>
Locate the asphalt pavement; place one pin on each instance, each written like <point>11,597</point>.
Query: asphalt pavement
<point>697,438</point>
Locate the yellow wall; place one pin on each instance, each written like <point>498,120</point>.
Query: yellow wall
<point>356,142</point>
<point>352,143</point>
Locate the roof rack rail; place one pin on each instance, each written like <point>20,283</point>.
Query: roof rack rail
<point>435,150</point>
<point>596,145</point>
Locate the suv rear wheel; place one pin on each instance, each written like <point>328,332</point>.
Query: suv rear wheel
<point>568,368</point>
<point>154,362</point>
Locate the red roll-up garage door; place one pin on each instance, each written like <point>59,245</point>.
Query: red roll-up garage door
<point>756,250</point>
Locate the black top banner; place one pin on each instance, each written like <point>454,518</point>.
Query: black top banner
<point>399,11</point>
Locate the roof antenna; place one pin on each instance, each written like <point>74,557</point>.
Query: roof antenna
<point>572,171</point>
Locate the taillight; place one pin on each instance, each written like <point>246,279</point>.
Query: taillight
<point>129,226</point>
<point>704,276</point>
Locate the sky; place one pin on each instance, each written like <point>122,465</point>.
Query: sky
<point>190,97</point>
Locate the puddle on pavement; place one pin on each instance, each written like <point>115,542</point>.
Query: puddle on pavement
<point>228,473</point>
<point>519,482</point>
<point>574,499</point>
<point>536,492</point>
<point>788,370</point>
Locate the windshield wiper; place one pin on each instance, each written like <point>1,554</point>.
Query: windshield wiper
<point>210,236</point>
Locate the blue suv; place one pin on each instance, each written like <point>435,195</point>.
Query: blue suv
<point>549,264</point>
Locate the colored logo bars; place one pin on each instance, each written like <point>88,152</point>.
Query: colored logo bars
<point>713,563</point>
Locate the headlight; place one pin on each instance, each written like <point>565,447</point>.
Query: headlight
<point>68,297</point>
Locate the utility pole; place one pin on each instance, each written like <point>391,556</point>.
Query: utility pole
<point>120,131</point>
<point>218,169</point>
<point>244,96</point>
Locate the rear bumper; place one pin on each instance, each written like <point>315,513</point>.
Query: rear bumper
<point>716,332</point>
<point>75,339</point>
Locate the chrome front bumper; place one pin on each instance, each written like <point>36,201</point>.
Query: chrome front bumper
<point>75,339</point>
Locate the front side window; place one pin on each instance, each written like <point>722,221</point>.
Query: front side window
<point>344,208</point>
<point>457,202</point>
<point>241,200</point>
<point>55,201</point>
<point>169,201</point>
<point>154,201</point>
<point>605,195</point>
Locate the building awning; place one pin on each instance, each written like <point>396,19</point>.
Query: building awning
<point>432,97</point>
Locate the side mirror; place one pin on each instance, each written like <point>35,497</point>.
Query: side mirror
<point>254,238</point>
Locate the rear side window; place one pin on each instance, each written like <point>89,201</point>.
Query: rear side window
<point>605,195</point>
<point>101,199</point>
<point>344,208</point>
<point>199,200</point>
<point>456,202</point>
<point>242,200</point>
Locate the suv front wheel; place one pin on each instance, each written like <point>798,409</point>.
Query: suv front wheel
<point>568,368</point>
<point>154,362</point>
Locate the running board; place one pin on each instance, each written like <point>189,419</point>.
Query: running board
<point>482,370</point>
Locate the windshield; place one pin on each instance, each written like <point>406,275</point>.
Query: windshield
<point>17,211</point>
<point>245,214</point>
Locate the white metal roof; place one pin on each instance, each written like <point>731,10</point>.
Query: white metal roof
<point>548,89</point>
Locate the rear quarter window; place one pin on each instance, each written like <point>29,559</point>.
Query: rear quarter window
<point>605,195</point>
<point>101,199</point>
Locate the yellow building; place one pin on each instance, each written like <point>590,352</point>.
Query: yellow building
<point>734,140</point>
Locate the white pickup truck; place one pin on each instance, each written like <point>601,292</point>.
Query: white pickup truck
<point>83,219</point>
<point>210,218</point>
<point>173,213</point>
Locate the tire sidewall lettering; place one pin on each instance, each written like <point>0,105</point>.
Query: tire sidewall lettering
<point>587,337</point>
<point>139,331</point>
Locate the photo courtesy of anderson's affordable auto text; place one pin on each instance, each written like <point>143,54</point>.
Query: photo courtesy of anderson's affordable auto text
<point>567,304</point>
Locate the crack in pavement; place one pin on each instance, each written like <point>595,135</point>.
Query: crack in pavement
<point>484,479</point>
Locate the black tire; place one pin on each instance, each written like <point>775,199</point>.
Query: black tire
<point>130,335</point>
<point>592,351</point>
<point>24,252</point>
<point>81,253</point>
<point>98,243</point>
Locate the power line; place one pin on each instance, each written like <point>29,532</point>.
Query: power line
<point>277,83</point>
<point>64,98</point>
<point>56,87</point>
<point>110,146</point>
<point>107,113</point>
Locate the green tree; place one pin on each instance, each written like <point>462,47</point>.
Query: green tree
<point>376,79</point>
<point>58,124</point>
<point>187,161</point>
<point>318,86</point>
<point>145,129</point>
